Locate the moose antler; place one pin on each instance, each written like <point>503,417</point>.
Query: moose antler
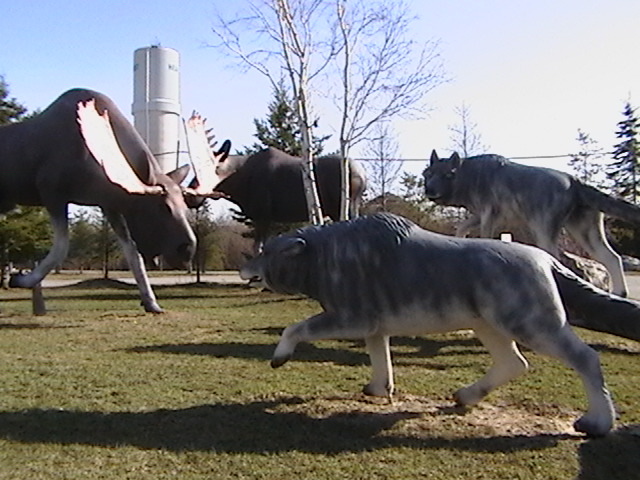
<point>203,158</point>
<point>101,142</point>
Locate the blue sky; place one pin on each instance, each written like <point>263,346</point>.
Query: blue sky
<point>532,73</point>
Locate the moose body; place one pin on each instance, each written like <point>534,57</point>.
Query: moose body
<point>268,187</point>
<point>499,192</point>
<point>45,161</point>
<point>382,276</point>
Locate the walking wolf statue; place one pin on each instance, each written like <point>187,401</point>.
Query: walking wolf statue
<point>381,275</point>
<point>497,191</point>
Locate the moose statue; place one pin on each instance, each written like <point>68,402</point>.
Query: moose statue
<point>268,186</point>
<point>82,150</point>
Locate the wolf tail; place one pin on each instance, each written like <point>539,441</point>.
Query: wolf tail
<point>616,207</point>
<point>594,309</point>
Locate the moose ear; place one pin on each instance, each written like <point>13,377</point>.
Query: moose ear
<point>455,160</point>
<point>223,153</point>
<point>179,174</point>
<point>294,246</point>
<point>434,157</point>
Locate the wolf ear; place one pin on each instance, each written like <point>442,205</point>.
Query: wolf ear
<point>434,157</point>
<point>293,246</point>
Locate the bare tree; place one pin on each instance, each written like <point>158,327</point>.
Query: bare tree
<point>384,73</point>
<point>384,166</point>
<point>289,39</point>
<point>465,138</point>
<point>587,164</point>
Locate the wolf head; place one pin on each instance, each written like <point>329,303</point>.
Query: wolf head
<point>281,266</point>
<point>439,178</point>
<point>343,265</point>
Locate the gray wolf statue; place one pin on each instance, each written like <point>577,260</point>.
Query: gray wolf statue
<point>381,275</point>
<point>497,191</point>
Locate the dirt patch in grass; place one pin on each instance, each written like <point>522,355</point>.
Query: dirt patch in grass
<point>424,416</point>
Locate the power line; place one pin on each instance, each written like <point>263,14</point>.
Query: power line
<point>530,157</point>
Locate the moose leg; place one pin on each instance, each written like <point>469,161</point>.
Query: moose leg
<point>323,326</point>
<point>508,363</point>
<point>134,259</point>
<point>56,255</point>
<point>381,383</point>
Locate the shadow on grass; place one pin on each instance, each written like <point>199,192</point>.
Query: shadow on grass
<point>33,326</point>
<point>353,353</point>
<point>255,427</point>
<point>612,457</point>
<point>305,352</point>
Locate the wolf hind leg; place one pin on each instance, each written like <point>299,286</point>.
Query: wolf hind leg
<point>381,383</point>
<point>588,230</point>
<point>566,346</point>
<point>508,363</point>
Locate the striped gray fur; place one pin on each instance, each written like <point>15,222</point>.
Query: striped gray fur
<point>500,193</point>
<point>381,275</point>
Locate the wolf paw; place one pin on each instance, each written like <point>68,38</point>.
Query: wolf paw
<point>277,362</point>
<point>591,427</point>
<point>376,391</point>
<point>468,396</point>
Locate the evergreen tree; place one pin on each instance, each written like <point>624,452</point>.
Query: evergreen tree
<point>280,129</point>
<point>10,110</point>
<point>24,232</point>
<point>24,236</point>
<point>624,171</point>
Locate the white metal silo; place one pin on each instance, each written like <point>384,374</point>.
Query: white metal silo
<point>156,102</point>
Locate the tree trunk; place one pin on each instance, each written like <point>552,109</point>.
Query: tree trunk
<point>316,216</point>
<point>345,183</point>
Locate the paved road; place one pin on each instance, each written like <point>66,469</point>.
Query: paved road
<point>232,277</point>
<point>226,277</point>
<point>633,281</point>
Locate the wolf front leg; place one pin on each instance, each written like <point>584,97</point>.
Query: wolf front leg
<point>323,326</point>
<point>464,228</point>
<point>381,384</point>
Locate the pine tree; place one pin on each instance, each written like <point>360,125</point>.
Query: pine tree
<point>280,129</point>
<point>10,110</point>
<point>624,171</point>
<point>24,232</point>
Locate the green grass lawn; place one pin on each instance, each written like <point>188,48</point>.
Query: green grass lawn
<point>97,389</point>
